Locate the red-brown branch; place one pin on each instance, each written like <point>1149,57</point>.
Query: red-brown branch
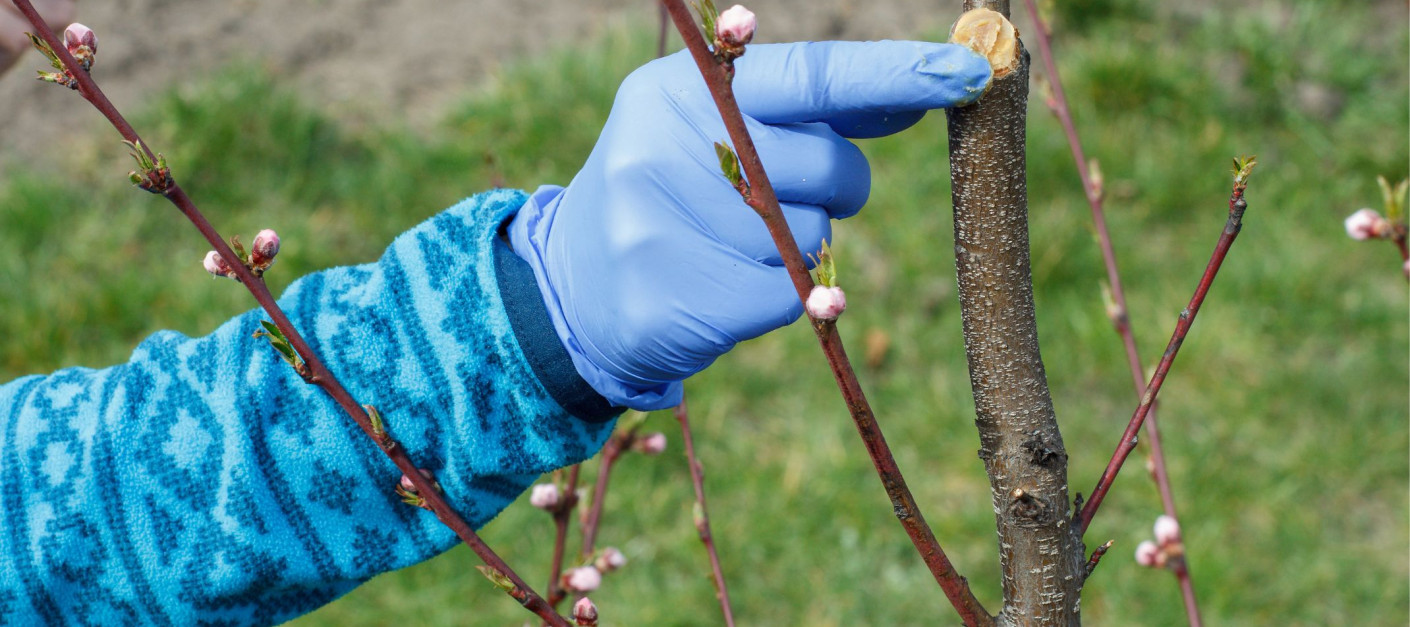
<point>702,523</point>
<point>762,199</point>
<point>1121,317</point>
<point>616,445</point>
<point>664,29</point>
<point>1237,205</point>
<point>1097,557</point>
<point>321,376</point>
<point>561,517</point>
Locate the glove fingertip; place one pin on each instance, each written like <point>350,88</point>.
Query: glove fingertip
<point>957,75</point>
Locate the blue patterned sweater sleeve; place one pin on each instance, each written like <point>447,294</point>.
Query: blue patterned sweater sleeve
<point>203,482</point>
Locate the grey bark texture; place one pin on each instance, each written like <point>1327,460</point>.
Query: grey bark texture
<point>1042,556</point>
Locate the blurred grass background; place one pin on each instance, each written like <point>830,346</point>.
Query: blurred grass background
<point>1285,417</point>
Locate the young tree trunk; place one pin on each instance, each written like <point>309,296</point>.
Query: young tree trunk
<point>1041,554</point>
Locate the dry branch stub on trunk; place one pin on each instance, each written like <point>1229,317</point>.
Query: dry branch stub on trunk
<point>1042,557</point>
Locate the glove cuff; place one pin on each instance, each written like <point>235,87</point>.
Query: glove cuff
<point>527,232</point>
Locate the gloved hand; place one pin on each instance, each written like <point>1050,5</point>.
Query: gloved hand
<point>651,265</point>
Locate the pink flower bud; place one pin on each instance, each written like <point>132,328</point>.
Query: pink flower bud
<point>1406,268</point>
<point>1366,224</point>
<point>735,27</point>
<point>585,613</point>
<point>407,485</point>
<point>826,303</point>
<point>611,559</point>
<point>582,579</point>
<point>545,496</point>
<point>653,444</point>
<point>264,248</point>
<point>1147,554</point>
<point>1167,530</point>
<point>77,35</point>
<point>215,264</point>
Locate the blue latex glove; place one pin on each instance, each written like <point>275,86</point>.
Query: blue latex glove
<point>650,263</point>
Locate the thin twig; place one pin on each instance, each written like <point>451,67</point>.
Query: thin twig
<point>1121,320</point>
<point>616,445</point>
<point>561,517</point>
<point>702,513</point>
<point>663,31</point>
<point>1097,557</point>
<point>1237,205</point>
<point>321,376</point>
<point>762,199</point>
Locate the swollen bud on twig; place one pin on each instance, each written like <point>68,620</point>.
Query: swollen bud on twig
<point>582,579</point>
<point>1098,182</point>
<point>82,44</point>
<point>286,350</point>
<point>652,444</point>
<point>585,613</point>
<point>1167,530</point>
<point>499,579</point>
<point>62,76</point>
<point>263,249</point>
<point>546,496</point>
<point>1148,554</point>
<point>407,485</point>
<point>733,29</point>
<point>1114,312</point>
<point>1395,197</point>
<point>826,303</point>
<point>611,559</point>
<point>408,493</point>
<point>1367,224</point>
<point>215,264</point>
<point>729,166</point>
<point>151,175</point>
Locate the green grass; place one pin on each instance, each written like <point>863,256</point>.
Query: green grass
<point>1285,418</point>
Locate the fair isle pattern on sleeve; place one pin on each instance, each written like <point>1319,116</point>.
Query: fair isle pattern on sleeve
<point>203,482</point>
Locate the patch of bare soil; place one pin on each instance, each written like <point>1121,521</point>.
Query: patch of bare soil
<point>369,59</point>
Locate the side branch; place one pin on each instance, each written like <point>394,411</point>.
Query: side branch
<point>1232,226</point>
<point>702,514</point>
<point>1121,321</point>
<point>426,487</point>
<point>762,199</point>
<point>619,442</point>
<point>561,518</point>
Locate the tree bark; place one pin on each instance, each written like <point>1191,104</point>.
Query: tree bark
<point>1042,555</point>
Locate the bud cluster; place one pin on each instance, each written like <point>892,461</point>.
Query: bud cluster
<point>151,175</point>
<point>650,444</point>
<point>585,613</point>
<point>609,559</point>
<point>82,44</point>
<point>826,303</point>
<point>408,492</point>
<point>258,259</point>
<point>1168,548</point>
<point>734,28</point>
<point>582,579</point>
<point>1368,224</point>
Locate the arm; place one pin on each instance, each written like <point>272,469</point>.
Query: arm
<point>204,480</point>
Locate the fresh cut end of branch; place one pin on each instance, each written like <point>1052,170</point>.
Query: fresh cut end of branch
<point>990,34</point>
